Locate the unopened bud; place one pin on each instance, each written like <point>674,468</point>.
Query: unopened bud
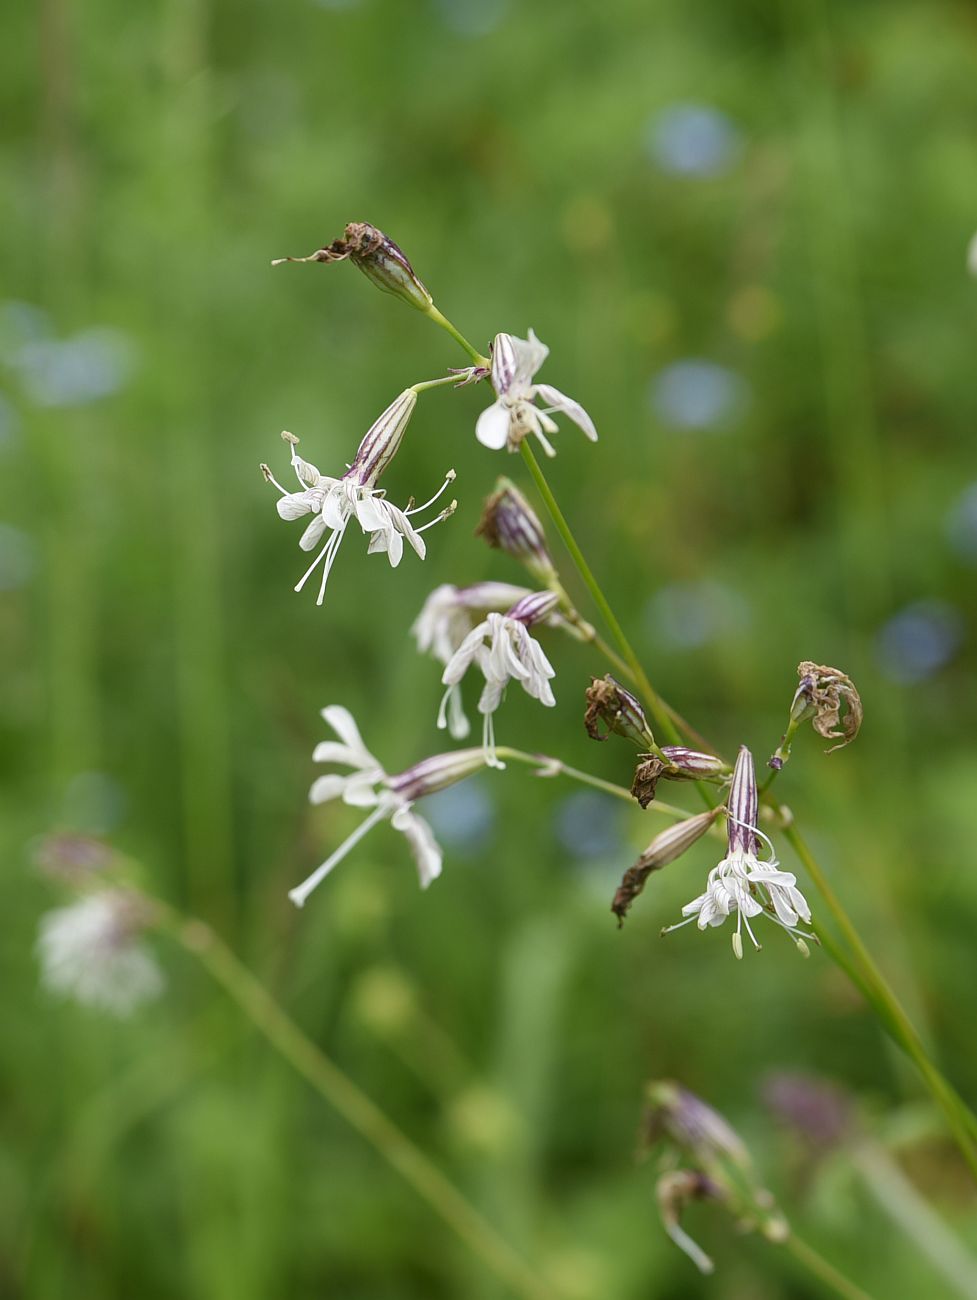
<point>378,257</point>
<point>668,845</point>
<point>608,702</point>
<point>691,764</point>
<point>699,1131</point>
<point>436,773</point>
<point>510,524</point>
<point>533,608</point>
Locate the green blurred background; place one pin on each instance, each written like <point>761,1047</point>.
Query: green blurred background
<point>742,230</point>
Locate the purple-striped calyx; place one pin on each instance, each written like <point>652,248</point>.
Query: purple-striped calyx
<point>378,257</point>
<point>743,882</point>
<point>334,502</point>
<point>510,524</point>
<point>673,763</point>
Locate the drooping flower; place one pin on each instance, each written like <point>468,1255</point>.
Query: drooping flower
<point>448,615</point>
<point>742,882</point>
<point>391,798</point>
<point>90,951</point>
<point>334,502</point>
<point>503,650</point>
<point>514,413</point>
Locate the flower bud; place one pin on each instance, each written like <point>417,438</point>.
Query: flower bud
<point>608,702</point>
<point>378,257</point>
<point>436,773</point>
<point>691,764</point>
<point>510,524</point>
<point>533,608</point>
<point>668,845</point>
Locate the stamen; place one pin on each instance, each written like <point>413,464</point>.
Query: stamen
<point>677,926</point>
<point>300,893</point>
<point>270,478</point>
<point>448,478</point>
<point>333,548</point>
<point>446,513</point>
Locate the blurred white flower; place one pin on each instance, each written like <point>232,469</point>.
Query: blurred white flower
<point>334,502</point>
<point>972,256</point>
<point>510,653</point>
<point>391,798</point>
<point>513,415</point>
<point>742,883</point>
<point>90,951</point>
<point>448,615</point>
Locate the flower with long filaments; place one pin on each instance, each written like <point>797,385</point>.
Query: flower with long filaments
<point>391,798</point>
<point>504,651</point>
<point>514,413</point>
<point>448,615</point>
<point>90,952</point>
<point>743,882</point>
<point>334,502</point>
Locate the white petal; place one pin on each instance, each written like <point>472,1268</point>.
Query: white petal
<point>425,848</point>
<point>530,354</point>
<point>492,429</point>
<point>371,515</point>
<point>571,409</point>
<point>344,725</point>
<point>325,788</point>
<point>313,534</point>
<point>330,751</point>
<point>395,547</point>
<point>294,505</point>
<point>460,661</point>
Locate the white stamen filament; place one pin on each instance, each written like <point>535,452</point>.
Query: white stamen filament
<point>448,478</point>
<point>300,893</point>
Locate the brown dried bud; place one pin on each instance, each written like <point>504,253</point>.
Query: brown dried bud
<point>510,524</point>
<point>617,708</point>
<point>674,1191</point>
<point>820,695</point>
<point>668,845</point>
<point>378,257</point>
<point>824,690</point>
<point>646,777</point>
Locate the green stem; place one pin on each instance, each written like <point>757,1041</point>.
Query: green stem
<point>357,1109</point>
<point>546,765</point>
<point>440,319</point>
<point>815,1263</point>
<point>667,721</point>
<point>435,383</point>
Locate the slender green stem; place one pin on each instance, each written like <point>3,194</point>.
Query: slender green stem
<point>547,766</point>
<point>425,384</point>
<point>440,319</point>
<point>356,1107</point>
<point>815,1263</point>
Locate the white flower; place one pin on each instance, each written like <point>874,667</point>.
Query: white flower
<point>503,650</point>
<point>391,798</point>
<point>514,414</point>
<point>90,952</point>
<point>334,502</point>
<point>742,882</point>
<point>448,615</point>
